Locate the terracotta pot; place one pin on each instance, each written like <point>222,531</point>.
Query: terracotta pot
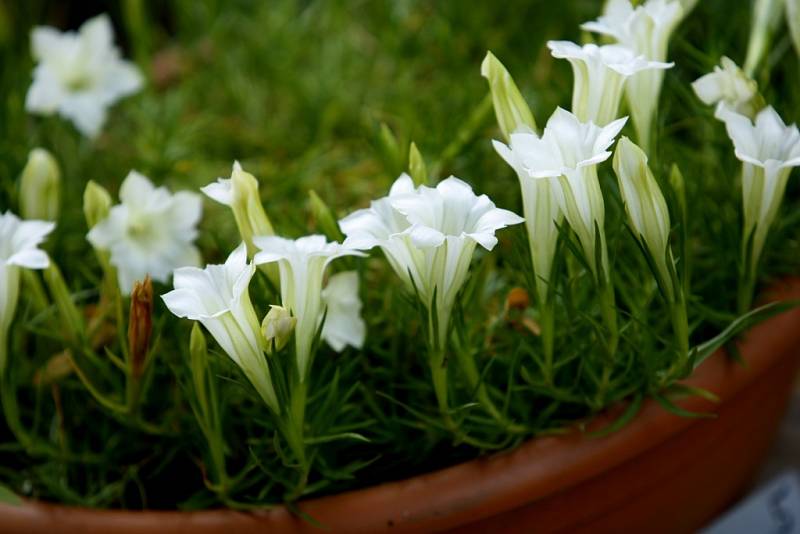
<point>661,473</point>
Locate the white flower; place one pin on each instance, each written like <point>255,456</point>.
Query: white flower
<point>79,75</point>
<point>150,232</point>
<point>644,202</point>
<point>768,150</point>
<point>542,203</point>
<point>343,323</point>
<point>570,150</point>
<point>600,73</point>
<point>730,85</point>
<point>19,241</point>
<point>302,265</point>
<point>645,29</point>
<point>218,298</point>
<point>429,235</point>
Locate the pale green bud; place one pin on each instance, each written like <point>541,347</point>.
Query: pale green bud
<point>644,203</point>
<point>40,187</point>
<point>325,219</point>
<point>277,327</point>
<point>510,108</point>
<point>793,18</point>
<point>96,203</point>
<point>416,166</point>
<point>767,15</point>
<point>198,362</point>
<point>248,211</point>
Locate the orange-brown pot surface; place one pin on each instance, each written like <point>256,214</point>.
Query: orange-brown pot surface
<point>660,473</point>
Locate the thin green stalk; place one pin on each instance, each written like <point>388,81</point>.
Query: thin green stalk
<point>35,290</point>
<point>294,432</point>
<point>439,376</point>
<point>547,324</point>
<point>466,362</point>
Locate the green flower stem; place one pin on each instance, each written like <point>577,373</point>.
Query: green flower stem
<point>3,350</point>
<point>547,324</point>
<point>35,290</point>
<point>680,328</point>
<point>747,284</point>
<point>294,430</point>
<point>608,311</point>
<point>438,366</point>
<point>466,362</point>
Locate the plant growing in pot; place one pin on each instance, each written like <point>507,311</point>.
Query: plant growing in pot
<point>433,360</point>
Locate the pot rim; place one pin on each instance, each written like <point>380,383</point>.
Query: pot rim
<point>509,479</point>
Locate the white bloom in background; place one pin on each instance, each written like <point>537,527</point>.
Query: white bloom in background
<point>645,29</point>
<point>79,75</point>
<point>344,325</point>
<point>429,236</point>
<point>600,73</point>
<point>644,203</point>
<point>768,150</point>
<point>218,298</point>
<point>302,263</point>
<point>569,150</point>
<point>729,85</point>
<point>19,241</point>
<point>150,232</point>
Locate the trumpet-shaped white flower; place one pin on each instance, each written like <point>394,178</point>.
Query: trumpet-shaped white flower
<point>645,29</point>
<point>429,236</point>
<point>569,150</point>
<point>600,73</point>
<point>644,202</point>
<point>343,322</point>
<point>729,85</point>
<point>218,298</point>
<point>302,265</point>
<point>768,149</point>
<point>19,241</point>
<point>150,232</point>
<point>542,203</point>
<point>79,75</point>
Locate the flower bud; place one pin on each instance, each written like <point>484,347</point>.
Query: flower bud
<point>325,220</point>
<point>644,202</point>
<point>198,364</point>
<point>510,108</point>
<point>40,186</point>
<point>767,16</point>
<point>96,203</point>
<point>277,328</point>
<point>140,326</point>
<point>246,204</point>
<point>416,166</point>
